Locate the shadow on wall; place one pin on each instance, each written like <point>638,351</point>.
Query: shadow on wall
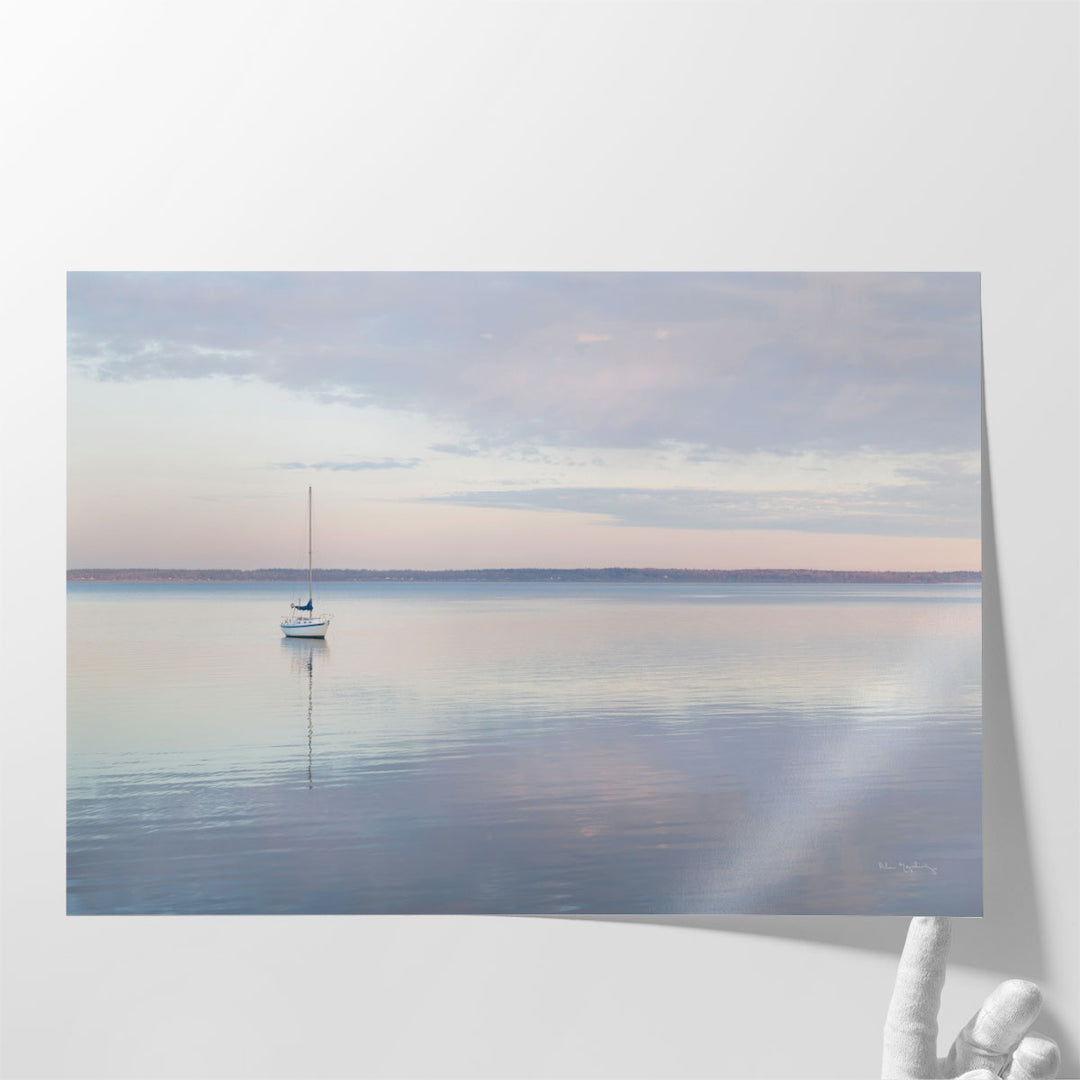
<point>1008,939</point>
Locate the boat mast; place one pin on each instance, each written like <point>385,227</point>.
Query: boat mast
<point>309,546</point>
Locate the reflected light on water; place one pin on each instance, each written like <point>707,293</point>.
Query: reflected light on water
<point>526,748</point>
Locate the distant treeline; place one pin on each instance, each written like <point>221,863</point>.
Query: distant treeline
<point>611,573</point>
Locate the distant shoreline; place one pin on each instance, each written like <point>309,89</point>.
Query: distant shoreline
<point>615,573</point>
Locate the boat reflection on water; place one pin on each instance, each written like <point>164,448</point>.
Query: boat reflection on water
<point>302,653</point>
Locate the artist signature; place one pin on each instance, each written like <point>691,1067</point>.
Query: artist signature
<point>907,867</point>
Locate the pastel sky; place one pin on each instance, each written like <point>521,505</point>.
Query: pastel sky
<point>457,421</point>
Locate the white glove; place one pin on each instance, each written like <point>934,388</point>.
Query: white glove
<point>994,1043</point>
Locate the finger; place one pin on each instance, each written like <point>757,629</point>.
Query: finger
<point>991,1035</point>
<point>911,1023</point>
<point>1036,1058</point>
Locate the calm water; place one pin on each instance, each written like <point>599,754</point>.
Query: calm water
<point>525,748</point>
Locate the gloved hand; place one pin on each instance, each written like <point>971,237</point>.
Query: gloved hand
<point>995,1042</point>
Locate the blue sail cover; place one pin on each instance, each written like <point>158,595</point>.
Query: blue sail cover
<point>309,606</point>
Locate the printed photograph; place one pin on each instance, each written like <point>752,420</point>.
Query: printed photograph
<point>524,593</point>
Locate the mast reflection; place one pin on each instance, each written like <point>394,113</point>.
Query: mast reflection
<point>302,653</point>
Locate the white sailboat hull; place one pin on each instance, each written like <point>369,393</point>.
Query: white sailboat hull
<point>305,627</point>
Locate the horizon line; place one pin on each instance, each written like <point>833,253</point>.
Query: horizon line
<point>505,569</point>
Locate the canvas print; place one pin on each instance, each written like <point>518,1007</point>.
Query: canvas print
<point>528,593</point>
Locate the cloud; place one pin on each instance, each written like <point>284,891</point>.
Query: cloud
<point>915,509</point>
<point>748,361</point>
<point>460,449</point>
<point>352,466</point>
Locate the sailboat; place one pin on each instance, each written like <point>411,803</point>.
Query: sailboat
<point>305,623</point>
